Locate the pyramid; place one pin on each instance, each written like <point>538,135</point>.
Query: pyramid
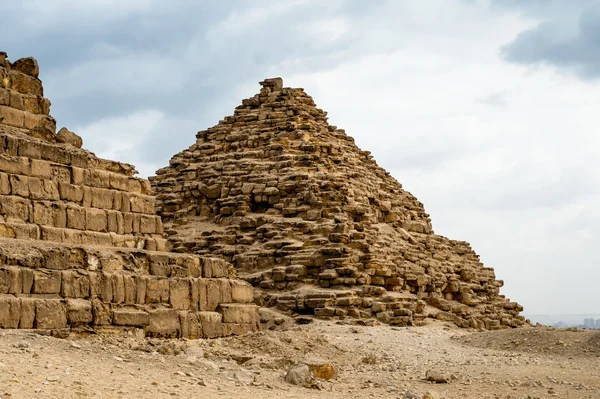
<point>316,225</point>
<point>81,247</point>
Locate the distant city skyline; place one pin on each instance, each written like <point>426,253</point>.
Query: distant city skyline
<point>567,320</point>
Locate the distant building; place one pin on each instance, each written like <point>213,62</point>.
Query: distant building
<point>598,324</point>
<point>589,323</point>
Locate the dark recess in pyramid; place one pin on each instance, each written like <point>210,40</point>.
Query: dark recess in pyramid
<point>316,224</point>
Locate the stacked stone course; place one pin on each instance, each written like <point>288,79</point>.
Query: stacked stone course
<point>81,245</point>
<point>316,224</point>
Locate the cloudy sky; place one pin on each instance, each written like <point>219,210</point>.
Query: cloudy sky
<point>486,110</point>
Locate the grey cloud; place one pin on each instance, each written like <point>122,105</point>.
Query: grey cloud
<point>562,41</point>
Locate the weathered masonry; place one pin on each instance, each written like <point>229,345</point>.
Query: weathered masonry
<point>316,225</point>
<point>80,243</point>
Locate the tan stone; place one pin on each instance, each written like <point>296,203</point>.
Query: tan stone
<point>50,314</point>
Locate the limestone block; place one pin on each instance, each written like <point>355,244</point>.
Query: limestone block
<point>28,66</point>
<point>70,192</point>
<point>96,220</point>
<point>212,325</point>
<point>163,323</point>
<point>179,293</point>
<point>66,136</point>
<point>32,104</point>
<point>129,284</point>
<point>14,165</point>
<point>4,96</point>
<point>43,123</point>
<point>27,319</point>
<point>75,284</point>
<point>4,184</point>
<point>191,325</point>
<point>241,291</point>
<point>214,268</point>
<point>40,168</point>
<point>118,181</point>
<point>16,100</point>
<point>142,204</point>
<point>14,207</point>
<point>157,290</point>
<point>50,214</point>
<point>76,217</point>
<point>5,280</point>
<point>130,317</point>
<point>239,313</point>
<point>118,288</point>
<point>45,282</point>
<point>40,189</point>
<point>97,178</point>
<point>10,311</point>
<point>78,175</point>
<point>19,185</point>
<point>102,198</point>
<point>50,314</point>
<point>12,117</point>
<point>26,84</point>
<point>147,224</point>
<point>27,276</point>
<point>79,311</point>
<point>102,314</point>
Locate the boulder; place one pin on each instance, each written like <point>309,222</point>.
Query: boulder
<point>29,66</point>
<point>66,136</point>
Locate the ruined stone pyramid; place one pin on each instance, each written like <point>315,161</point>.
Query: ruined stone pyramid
<point>316,224</point>
<point>81,246</point>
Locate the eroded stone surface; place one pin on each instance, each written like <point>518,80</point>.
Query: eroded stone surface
<point>316,224</point>
<point>81,245</point>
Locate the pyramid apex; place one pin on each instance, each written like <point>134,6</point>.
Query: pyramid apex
<point>273,83</point>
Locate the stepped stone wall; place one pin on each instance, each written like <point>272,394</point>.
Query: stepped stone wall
<point>81,246</point>
<point>316,224</point>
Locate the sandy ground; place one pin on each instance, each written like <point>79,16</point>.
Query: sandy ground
<point>371,362</point>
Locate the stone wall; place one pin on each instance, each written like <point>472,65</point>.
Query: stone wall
<point>81,247</point>
<point>316,224</point>
<point>54,287</point>
<point>22,102</point>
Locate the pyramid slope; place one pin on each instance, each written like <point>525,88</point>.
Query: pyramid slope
<point>295,205</point>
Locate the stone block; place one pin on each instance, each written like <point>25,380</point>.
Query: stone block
<point>163,323</point>
<point>102,198</point>
<point>27,319</point>
<point>96,220</point>
<point>239,313</point>
<point>10,311</point>
<point>79,311</point>
<point>47,282</point>
<point>50,214</point>
<point>14,165</point>
<point>75,284</point>
<point>179,293</point>
<point>4,184</point>
<point>12,117</point>
<point>19,185</point>
<point>157,290</point>
<point>241,291</point>
<point>212,324</point>
<point>70,192</point>
<point>130,317</point>
<point>102,314</point>
<point>43,189</point>
<point>50,314</point>
<point>97,178</point>
<point>76,217</point>
<point>40,168</point>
